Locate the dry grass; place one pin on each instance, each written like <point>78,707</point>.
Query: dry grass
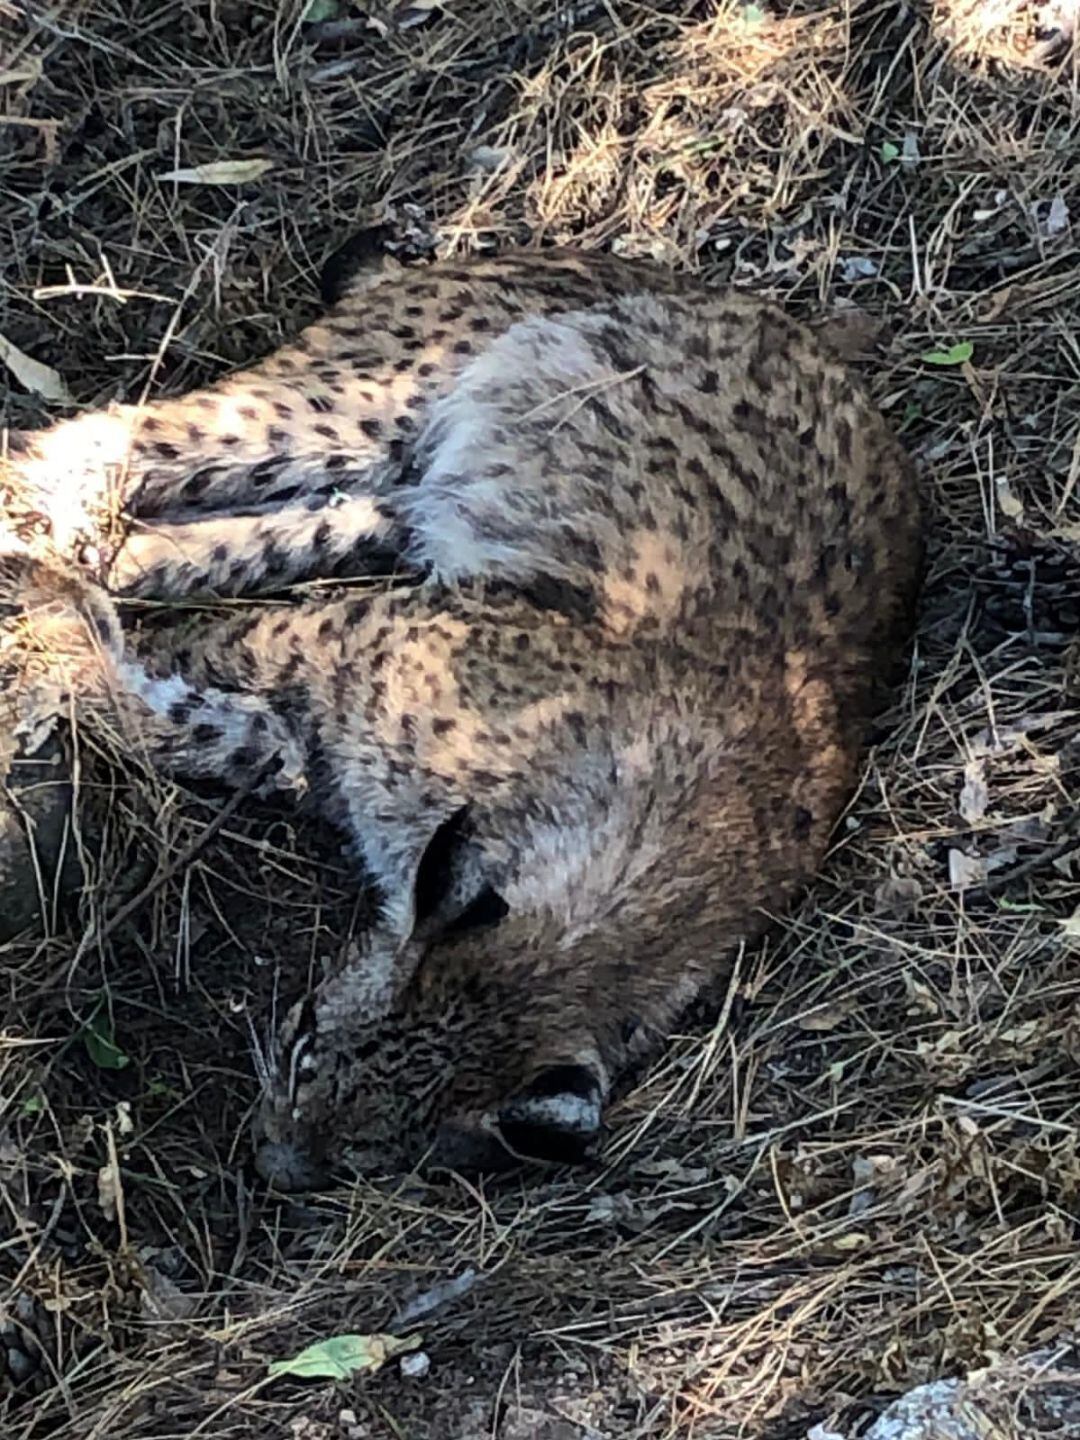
<point>865,1175</point>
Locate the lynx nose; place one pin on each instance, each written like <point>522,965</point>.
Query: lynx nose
<point>288,1167</point>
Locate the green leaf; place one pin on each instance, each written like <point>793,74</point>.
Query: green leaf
<point>102,1047</point>
<point>912,412</point>
<point>318,10</point>
<point>958,354</point>
<point>343,1355</point>
<point>889,152</point>
<point>32,1105</point>
<point>753,14</point>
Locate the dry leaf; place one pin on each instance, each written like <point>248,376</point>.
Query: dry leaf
<point>414,12</point>
<point>1056,219</point>
<point>853,1240</point>
<point>33,375</point>
<point>1009,503</point>
<point>966,871</point>
<point>922,1000</point>
<point>974,794</point>
<point>108,1191</point>
<point>673,1170</point>
<point>162,1298</point>
<point>489,158</point>
<point>823,1020</point>
<point>898,895</point>
<point>852,333</point>
<point>220,172</point>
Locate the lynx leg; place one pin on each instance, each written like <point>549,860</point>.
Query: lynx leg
<point>241,554</point>
<point>64,650</point>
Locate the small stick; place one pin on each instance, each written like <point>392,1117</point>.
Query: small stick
<point>184,859</point>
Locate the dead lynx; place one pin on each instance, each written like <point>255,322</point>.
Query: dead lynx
<point>652,556</point>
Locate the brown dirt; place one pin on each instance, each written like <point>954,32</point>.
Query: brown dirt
<point>866,1173</point>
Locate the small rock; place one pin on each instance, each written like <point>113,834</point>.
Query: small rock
<point>416,1365</point>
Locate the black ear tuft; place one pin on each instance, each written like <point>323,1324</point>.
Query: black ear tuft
<point>556,1117</point>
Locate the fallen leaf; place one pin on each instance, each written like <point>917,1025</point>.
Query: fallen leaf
<point>898,895</point>
<point>415,12</point>
<point>921,997</point>
<point>958,354</point>
<point>851,333</point>
<point>33,375</point>
<point>102,1047</point>
<point>162,1299</point>
<point>889,152</point>
<point>341,1356</point>
<point>966,871</point>
<point>669,1169</point>
<point>1009,503</point>
<point>220,172</point>
<point>858,267</point>
<point>443,1293</point>
<point>108,1191</point>
<point>1056,220</point>
<point>853,1240</point>
<point>974,794</point>
<point>488,158</point>
<point>823,1020</point>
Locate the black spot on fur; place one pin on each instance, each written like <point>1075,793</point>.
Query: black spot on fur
<point>181,711</point>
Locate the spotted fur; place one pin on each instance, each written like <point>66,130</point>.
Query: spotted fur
<point>649,557</point>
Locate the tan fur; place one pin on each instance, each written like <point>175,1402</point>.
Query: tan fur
<point>655,557</point>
